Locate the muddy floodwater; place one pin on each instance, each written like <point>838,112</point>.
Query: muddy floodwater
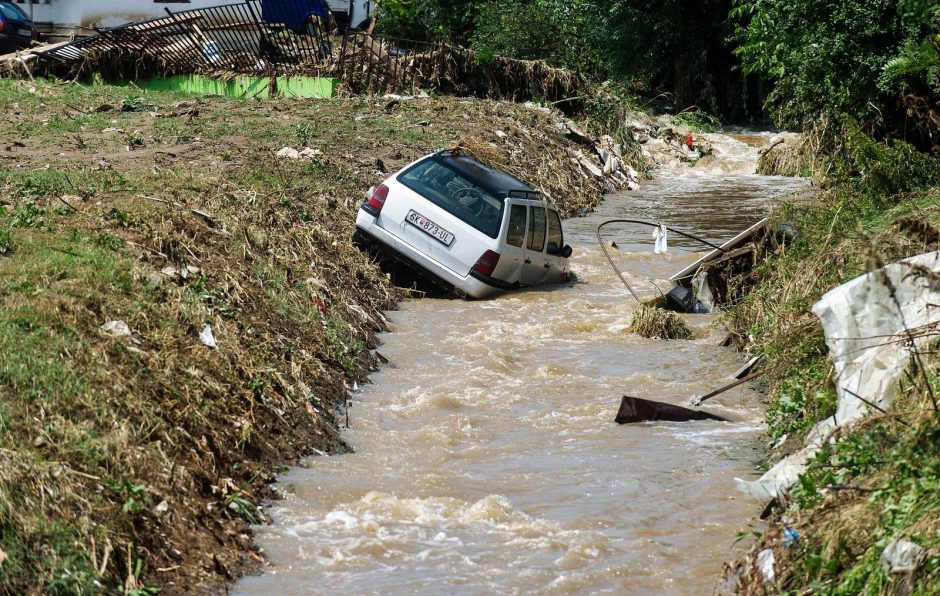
<point>487,460</point>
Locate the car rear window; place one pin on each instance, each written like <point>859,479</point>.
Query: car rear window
<point>12,12</point>
<point>456,194</point>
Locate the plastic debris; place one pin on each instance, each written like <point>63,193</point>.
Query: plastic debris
<point>288,152</point>
<point>206,337</point>
<point>765,562</point>
<point>660,240</point>
<point>860,318</point>
<point>790,536</point>
<point>902,556</point>
<point>116,329</point>
<point>704,299</point>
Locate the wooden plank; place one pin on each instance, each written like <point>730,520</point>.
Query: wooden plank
<point>738,240</point>
<point>35,50</point>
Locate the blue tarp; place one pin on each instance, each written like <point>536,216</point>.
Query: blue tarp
<point>293,13</point>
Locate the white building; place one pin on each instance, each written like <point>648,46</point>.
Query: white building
<point>84,16</point>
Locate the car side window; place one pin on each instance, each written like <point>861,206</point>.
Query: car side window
<point>536,229</point>
<point>515,236</point>
<point>555,238</point>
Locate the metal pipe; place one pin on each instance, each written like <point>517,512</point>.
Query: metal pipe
<point>645,223</point>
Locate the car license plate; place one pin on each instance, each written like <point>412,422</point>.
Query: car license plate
<point>26,33</point>
<point>430,228</point>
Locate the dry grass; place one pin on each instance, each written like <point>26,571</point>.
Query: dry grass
<point>657,323</point>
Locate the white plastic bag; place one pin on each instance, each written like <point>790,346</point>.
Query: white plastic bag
<point>704,300</point>
<point>660,241</point>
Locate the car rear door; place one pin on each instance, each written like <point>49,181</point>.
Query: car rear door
<point>555,242</point>
<point>512,248</point>
<point>462,251</point>
<point>536,264</point>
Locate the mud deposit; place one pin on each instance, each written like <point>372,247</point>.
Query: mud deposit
<point>486,457</point>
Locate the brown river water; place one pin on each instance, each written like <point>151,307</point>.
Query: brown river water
<point>486,458</point>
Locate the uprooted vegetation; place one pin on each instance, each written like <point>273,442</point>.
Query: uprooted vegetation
<point>132,226</point>
<point>877,481</point>
<point>654,322</point>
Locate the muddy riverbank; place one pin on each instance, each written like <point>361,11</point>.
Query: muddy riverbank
<point>485,454</point>
<point>182,312</point>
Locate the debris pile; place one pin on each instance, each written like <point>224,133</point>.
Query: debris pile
<point>656,323</point>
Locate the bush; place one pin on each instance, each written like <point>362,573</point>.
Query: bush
<point>829,57</point>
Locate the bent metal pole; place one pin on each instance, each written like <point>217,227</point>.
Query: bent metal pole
<point>644,223</point>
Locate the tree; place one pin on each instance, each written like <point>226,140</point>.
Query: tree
<point>830,56</point>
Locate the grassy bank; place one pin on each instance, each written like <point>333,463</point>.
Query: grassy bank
<point>133,455</point>
<point>879,480</point>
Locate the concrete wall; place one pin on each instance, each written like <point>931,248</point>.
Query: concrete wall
<point>84,15</point>
<point>88,14</point>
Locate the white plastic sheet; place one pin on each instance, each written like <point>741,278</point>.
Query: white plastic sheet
<point>864,321</point>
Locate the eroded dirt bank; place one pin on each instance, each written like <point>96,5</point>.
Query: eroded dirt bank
<point>486,457</point>
<point>181,312</point>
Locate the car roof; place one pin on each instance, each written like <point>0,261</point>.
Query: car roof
<point>496,182</point>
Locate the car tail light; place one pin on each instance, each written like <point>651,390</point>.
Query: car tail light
<point>377,200</point>
<point>3,26</point>
<point>487,263</point>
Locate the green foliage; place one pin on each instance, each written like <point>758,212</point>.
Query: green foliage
<point>343,346</point>
<point>240,504</point>
<point>515,30</point>
<point>881,169</point>
<point>6,242</point>
<point>672,46</point>
<point>304,133</point>
<point>900,467</point>
<point>28,215</point>
<point>833,57</point>
<point>563,33</point>
<point>698,120</point>
<point>427,20</point>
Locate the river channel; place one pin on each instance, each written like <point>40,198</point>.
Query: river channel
<point>486,458</point>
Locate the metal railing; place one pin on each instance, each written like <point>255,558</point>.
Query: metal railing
<point>232,37</point>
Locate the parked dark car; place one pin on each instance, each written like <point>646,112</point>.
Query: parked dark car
<point>17,32</point>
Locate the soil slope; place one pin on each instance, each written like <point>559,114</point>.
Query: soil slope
<point>181,312</point>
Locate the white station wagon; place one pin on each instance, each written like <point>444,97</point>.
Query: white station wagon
<point>465,227</point>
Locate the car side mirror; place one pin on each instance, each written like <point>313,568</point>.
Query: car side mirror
<point>558,252</point>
